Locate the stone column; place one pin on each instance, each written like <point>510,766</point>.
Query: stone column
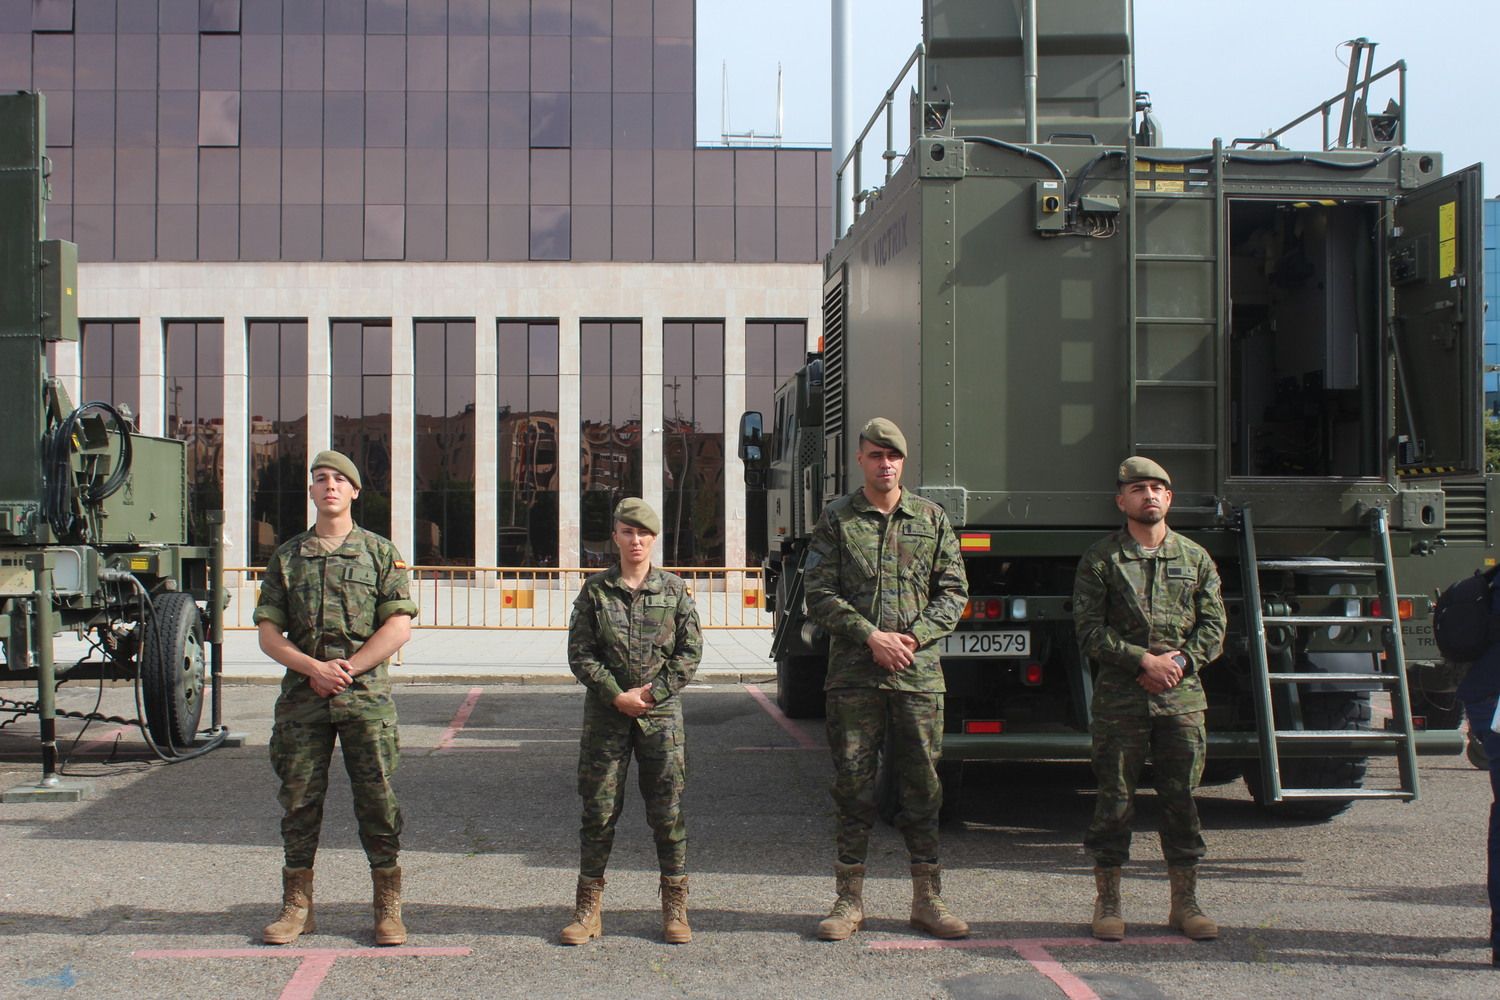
<point>69,357</point>
<point>403,434</point>
<point>153,383</point>
<point>319,392</point>
<point>235,445</point>
<point>734,469</point>
<point>569,441</point>
<point>486,438</point>
<point>653,419</point>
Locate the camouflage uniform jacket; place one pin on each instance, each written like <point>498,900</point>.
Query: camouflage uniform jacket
<point>901,573</point>
<point>329,604</point>
<point>620,638</point>
<point>1127,601</point>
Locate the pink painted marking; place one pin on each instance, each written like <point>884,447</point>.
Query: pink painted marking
<point>104,740</point>
<point>313,964</point>
<point>1042,961</point>
<point>804,741</point>
<point>460,719</point>
<point>774,749</point>
<point>1034,951</point>
<point>309,976</point>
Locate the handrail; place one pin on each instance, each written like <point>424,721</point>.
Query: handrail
<point>918,58</point>
<point>1398,67</point>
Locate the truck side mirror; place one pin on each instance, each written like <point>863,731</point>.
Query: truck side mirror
<point>752,438</point>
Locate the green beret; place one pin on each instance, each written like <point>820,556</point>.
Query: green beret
<point>1135,468</point>
<point>884,433</point>
<point>339,462</point>
<point>637,512</point>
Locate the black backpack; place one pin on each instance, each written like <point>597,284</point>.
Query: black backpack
<point>1463,623</point>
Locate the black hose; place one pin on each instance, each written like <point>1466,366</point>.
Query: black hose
<point>57,471</point>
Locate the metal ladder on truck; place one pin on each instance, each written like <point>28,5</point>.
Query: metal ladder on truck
<point>1270,688</point>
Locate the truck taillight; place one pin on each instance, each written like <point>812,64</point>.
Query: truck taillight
<point>1405,608</point>
<point>984,727</point>
<point>1031,675</point>
<point>984,608</point>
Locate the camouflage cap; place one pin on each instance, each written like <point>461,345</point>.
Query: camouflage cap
<point>884,433</point>
<point>1135,468</point>
<point>635,511</point>
<point>339,462</point>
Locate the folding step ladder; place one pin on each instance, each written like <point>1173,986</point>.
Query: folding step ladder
<point>1390,675</point>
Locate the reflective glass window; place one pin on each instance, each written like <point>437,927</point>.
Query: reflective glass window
<point>527,451</point>
<point>443,397</point>
<point>692,444</point>
<point>110,360</point>
<point>610,404</point>
<point>361,354</point>
<point>195,414</point>
<point>278,434</point>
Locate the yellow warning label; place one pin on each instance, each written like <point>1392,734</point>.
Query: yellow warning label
<point>1447,243</point>
<point>1447,220</point>
<point>139,562</point>
<point>1172,187</point>
<point>1170,168</point>
<point>1142,184</point>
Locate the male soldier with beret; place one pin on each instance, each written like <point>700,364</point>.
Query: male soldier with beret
<point>335,604</point>
<point>1149,616</point>
<point>885,578</point>
<point>634,642</point>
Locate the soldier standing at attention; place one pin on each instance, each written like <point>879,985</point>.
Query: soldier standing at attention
<point>335,604</point>
<point>885,578</point>
<point>1149,616</point>
<point>634,642</point>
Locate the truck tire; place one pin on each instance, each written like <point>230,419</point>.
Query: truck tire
<point>1320,711</point>
<point>1443,710</point>
<point>174,670</point>
<point>888,791</point>
<point>799,686</point>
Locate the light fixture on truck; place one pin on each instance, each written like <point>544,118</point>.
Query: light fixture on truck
<point>1405,608</point>
<point>1032,675</point>
<point>984,727</point>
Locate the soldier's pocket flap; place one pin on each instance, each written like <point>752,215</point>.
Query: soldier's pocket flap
<point>360,574</point>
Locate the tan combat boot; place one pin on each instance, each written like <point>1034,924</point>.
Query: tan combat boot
<point>928,911</point>
<point>1109,924</point>
<point>674,921</point>
<point>296,916</point>
<point>848,913</point>
<point>388,926</point>
<point>588,912</point>
<point>1185,915</point>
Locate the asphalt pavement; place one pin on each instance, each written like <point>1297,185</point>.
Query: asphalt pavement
<point>158,883</point>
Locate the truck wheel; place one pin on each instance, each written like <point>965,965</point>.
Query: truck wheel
<point>1222,772</point>
<point>1323,711</point>
<point>1443,710</point>
<point>799,686</point>
<point>173,669</point>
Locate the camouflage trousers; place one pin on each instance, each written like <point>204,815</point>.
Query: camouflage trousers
<point>1176,745</point>
<point>861,721</point>
<point>301,750</point>
<point>658,743</point>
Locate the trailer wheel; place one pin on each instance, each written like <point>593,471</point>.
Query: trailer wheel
<point>1322,711</point>
<point>174,669</point>
<point>799,686</point>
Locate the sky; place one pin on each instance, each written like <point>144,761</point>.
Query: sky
<point>1225,68</point>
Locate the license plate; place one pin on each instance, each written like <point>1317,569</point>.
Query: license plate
<point>1007,642</point>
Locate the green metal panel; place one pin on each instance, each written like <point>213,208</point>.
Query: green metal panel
<point>152,505</point>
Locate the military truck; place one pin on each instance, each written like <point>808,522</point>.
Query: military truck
<point>93,515</point>
<point>1041,287</point>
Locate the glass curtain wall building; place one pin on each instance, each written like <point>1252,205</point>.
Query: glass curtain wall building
<point>471,242</point>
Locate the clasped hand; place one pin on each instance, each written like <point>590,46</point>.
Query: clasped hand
<point>331,677</point>
<point>636,702</point>
<point>893,651</point>
<point>1160,672</point>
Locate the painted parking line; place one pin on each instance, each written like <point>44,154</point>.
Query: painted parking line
<point>460,719</point>
<point>1036,951</point>
<point>803,741</point>
<point>313,963</point>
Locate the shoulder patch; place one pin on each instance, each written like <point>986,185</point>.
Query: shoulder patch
<point>399,564</point>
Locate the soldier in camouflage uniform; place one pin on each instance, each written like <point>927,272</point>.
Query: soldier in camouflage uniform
<point>634,642</point>
<point>335,604</point>
<point>884,576</point>
<point>1149,616</point>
